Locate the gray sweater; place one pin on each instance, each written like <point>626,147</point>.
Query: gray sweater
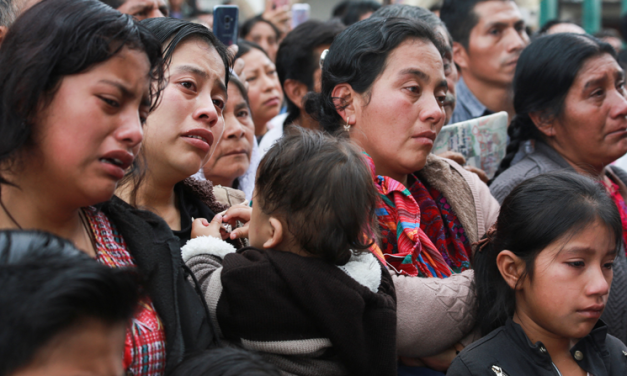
<point>545,159</point>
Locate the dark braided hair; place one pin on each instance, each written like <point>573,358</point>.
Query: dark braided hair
<point>544,74</point>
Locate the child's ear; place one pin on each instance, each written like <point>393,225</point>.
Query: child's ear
<point>276,236</point>
<point>511,267</point>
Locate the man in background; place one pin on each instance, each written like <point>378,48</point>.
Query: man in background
<point>489,36</point>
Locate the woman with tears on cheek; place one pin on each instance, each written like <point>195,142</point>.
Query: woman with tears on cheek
<point>77,81</point>
<point>183,131</point>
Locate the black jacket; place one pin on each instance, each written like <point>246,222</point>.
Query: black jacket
<point>508,351</point>
<point>157,254</point>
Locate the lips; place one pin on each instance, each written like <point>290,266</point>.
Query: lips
<point>593,311</point>
<point>235,152</point>
<point>274,101</point>
<point>200,138</point>
<point>429,134</point>
<point>116,162</point>
<point>618,131</point>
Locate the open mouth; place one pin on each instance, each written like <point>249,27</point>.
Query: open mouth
<point>113,161</point>
<point>196,137</point>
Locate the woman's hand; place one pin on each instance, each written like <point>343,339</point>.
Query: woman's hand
<point>241,213</point>
<point>201,227</point>
<point>281,17</point>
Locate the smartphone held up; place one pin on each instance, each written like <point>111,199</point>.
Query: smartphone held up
<point>225,23</point>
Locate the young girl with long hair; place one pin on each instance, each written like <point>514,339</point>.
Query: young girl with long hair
<point>543,275</point>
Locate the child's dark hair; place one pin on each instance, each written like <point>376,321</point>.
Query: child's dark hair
<point>225,361</point>
<point>322,189</point>
<point>46,287</point>
<point>536,213</point>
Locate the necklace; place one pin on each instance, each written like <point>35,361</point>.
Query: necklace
<point>81,214</point>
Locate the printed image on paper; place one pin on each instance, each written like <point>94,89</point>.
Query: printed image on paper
<point>481,141</point>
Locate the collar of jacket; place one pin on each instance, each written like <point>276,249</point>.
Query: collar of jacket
<point>590,352</point>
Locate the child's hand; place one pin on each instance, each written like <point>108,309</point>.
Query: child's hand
<point>240,213</point>
<point>201,227</point>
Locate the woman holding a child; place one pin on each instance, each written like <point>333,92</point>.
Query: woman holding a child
<point>383,86</point>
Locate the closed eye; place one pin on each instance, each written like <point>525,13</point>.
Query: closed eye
<point>577,264</point>
<point>110,102</point>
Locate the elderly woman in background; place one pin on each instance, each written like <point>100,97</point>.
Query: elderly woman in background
<point>235,160</point>
<point>383,85</point>
<point>569,95</point>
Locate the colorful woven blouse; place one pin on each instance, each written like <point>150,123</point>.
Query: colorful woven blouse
<point>421,234</point>
<point>614,191</point>
<point>144,351</point>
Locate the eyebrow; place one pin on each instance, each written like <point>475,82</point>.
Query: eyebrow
<point>240,106</point>
<point>588,251</point>
<point>417,73</point>
<point>594,82</point>
<point>201,73</point>
<point>126,92</point>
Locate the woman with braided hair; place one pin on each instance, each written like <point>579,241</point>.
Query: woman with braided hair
<point>571,105</point>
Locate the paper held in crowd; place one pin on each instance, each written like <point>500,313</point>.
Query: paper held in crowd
<point>482,141</point>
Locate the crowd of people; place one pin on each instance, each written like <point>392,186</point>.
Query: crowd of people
<point>170,205</point>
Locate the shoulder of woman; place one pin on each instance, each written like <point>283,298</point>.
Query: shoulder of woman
<point>468,195</point>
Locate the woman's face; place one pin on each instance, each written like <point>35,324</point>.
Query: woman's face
<point>593,129</point>
<point>184,130</point>
<point>91,131</point>
<point>232,156</point>
<point>570,284</point>
<point>264,35</point>
<point>264,88</point>
<point>397,123</point>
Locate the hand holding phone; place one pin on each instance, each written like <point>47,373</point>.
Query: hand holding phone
<point>225,23</point>
<point>300,14</point>
<point>279,14</point>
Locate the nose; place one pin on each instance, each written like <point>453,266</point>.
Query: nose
<point>268,83</point>
<point>516,41</point>
<point>233,128</point>
<point>619,105</point>
<point>206,111</point>
<point>131,131</point>
<point>599,282</point>
<point>432,113</point>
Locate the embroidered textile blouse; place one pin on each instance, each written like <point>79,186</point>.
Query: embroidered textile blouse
<point>618,199</point>
<point>421,235</point>
<point>144,350</point>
